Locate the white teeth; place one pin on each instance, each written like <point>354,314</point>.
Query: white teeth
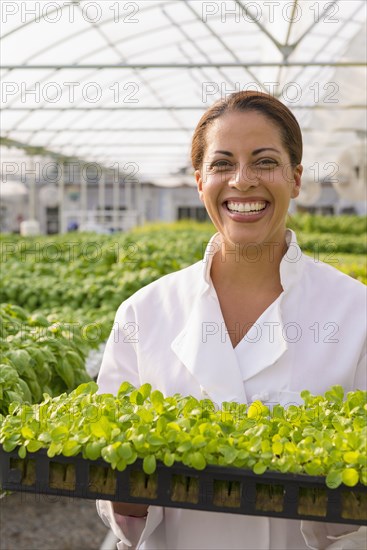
<point>245,206</point>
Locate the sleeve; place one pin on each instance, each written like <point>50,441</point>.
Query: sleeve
<point>120,364</point>
<point>360,379</point>
<point>128,530</point>
<point>333,536</point>
<point>119,361</point>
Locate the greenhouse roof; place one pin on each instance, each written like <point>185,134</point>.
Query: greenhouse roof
<point>126,82</point>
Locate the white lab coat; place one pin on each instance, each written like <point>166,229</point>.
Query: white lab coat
<point>171,334</point>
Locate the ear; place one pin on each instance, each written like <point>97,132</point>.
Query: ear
<point>199,183</point>
<point>296,183</point>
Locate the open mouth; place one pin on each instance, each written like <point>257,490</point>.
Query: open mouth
<point>246,208</point>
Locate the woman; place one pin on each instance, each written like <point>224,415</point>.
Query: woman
<point>256,319</point>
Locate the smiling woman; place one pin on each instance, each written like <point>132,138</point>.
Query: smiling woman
<point>240,325</point>
<point>247,170</point>
<point>264,151</point>
<point>252,181</point>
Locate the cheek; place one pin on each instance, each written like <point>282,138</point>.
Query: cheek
<point>209,192</point>
<point>213,182</point>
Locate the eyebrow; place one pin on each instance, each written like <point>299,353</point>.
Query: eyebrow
<point>228,153</point>
<point>255,152</point>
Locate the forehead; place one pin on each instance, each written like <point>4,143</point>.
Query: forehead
<point>243,127</point>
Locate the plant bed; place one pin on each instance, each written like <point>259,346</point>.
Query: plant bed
<point>216,488</point>
<point>306,461</point>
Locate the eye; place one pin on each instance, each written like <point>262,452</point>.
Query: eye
<point>220,165</point>
<point>266,163</point>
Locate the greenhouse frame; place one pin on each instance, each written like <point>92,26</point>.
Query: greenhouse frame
<point>150,364</point>
<point>100,100</point>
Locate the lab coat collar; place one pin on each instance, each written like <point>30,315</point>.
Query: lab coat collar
<point>291,265</point>
<point>204,346</point>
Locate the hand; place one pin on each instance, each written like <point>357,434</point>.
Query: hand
<point>127,509</point>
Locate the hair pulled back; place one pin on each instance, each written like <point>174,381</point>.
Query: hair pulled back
<point>251,100</point>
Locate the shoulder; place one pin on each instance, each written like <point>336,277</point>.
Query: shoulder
<point>327,289</point>
<point>188,278</point>
<point>316,274</point>
<point>174,287</point>
<point>330,277</point>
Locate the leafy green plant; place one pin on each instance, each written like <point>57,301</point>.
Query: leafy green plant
<point>343,225</point>
<point>38,356</point>
<point>90,272</point>
<point>325,437</point>
<point>60,293</point>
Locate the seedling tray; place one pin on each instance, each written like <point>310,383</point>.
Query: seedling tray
<point>216,488</point>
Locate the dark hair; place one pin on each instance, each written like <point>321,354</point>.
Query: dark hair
<point>250,100</point>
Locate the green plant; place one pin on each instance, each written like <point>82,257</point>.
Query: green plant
<point>326,436</point>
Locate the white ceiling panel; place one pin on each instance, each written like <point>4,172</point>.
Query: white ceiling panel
<point>86,79</point>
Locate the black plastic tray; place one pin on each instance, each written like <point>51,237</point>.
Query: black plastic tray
<point>216,488</point>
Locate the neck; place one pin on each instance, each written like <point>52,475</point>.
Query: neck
<point>248,266</point>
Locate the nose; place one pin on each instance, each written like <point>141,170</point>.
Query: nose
<point>244,177</point>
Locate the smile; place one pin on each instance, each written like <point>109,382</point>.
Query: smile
<point>248,208</point>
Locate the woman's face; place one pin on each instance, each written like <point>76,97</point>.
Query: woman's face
<point>246,180</point>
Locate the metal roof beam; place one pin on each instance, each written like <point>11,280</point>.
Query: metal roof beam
<point>189,65</point>
<point>144,81</point>
<point>262,28</point>
<point>35,150</point>
<point>198,48</point>
<point>222,43</point>
<point>316,76</point>
<point>323,14</point>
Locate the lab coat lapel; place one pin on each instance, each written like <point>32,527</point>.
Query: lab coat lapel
<point>266,341</point>
<point>263,344</point>
<point>206,350</point>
